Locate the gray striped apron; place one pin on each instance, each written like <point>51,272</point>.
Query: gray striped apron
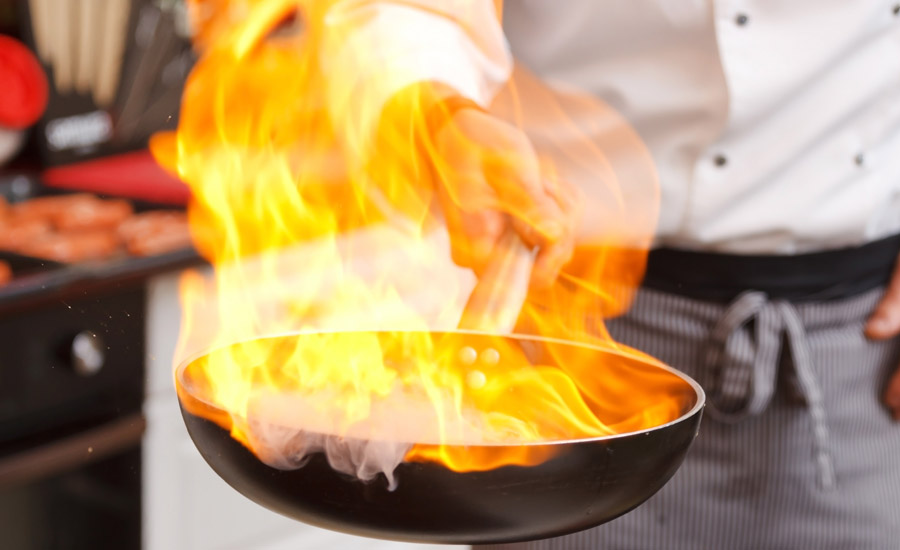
<point>796,450</point>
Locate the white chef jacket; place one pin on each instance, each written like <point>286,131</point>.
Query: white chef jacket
<point>774,126</point>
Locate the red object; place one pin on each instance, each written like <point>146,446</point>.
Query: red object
<point>132,175</point>
<point>24,92</point>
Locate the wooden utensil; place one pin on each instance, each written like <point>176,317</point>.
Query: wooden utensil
<point>90,15</point>
<point>115,27</point>
<point>64,57</point>
<point>38,10</point>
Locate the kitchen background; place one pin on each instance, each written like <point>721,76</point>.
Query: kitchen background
<point>93,239</point>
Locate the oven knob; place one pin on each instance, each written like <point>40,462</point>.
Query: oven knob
<point>87,353</point>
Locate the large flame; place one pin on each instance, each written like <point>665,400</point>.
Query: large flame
<point>315,202</point>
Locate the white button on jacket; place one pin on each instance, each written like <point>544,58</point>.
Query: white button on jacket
<point>774,126</point>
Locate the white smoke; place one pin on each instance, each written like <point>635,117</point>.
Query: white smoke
<point>285,429</point>
<point>290,448</point>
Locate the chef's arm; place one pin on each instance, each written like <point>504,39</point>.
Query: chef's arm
<point>490,179</point>
<point>378,47</point>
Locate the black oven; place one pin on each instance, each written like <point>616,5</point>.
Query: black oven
<point>71,389</point>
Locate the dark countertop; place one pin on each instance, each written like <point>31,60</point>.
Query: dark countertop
<point>58,282</point>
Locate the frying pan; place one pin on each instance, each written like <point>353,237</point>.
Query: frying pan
<point>585,483</point>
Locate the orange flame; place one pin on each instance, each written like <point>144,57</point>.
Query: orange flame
<point>314,201</point>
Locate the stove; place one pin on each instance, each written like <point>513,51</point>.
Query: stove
<point>72,385</point>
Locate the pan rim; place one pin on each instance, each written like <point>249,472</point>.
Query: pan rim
<point>648,360</point>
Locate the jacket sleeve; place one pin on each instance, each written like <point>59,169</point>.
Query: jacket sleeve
<point>375,48</point>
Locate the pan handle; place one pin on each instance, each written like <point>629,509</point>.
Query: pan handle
<point>496,301</point>
<point>72,452</point>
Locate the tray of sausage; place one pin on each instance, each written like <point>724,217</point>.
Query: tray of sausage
<point>42,228</point>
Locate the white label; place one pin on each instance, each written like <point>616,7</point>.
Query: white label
<point>79,131</point>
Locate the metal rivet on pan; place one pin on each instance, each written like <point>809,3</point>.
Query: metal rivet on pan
<point>741,19</point>
<point>476,379</point>
<point>490,356</point>
<point>720,160</point>
<point>468,355</point>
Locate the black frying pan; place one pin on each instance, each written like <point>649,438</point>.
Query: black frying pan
<point>586,483</point>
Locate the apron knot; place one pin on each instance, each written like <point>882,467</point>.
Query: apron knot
<point>742,362</point>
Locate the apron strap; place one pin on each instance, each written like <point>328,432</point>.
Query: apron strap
<point>810,390</point>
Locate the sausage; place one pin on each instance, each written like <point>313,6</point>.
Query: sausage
<point>64,228</point>
<point>77,212</point>
<point>95,214</point>
<point>155,233</point>
<point>96,244</point>
<point>158,243</point>
<point>50,207</point>
<point>17,232</point>
<point>150,222</point>
<point>79,227</point>
<point>6,273</point>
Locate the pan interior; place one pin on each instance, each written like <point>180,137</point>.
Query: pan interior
<point>622,382</point>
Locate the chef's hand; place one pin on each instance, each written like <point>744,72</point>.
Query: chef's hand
<point>885,323</point>
<point>490,179</point>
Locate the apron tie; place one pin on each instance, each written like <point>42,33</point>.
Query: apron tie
<point>743,369</point>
